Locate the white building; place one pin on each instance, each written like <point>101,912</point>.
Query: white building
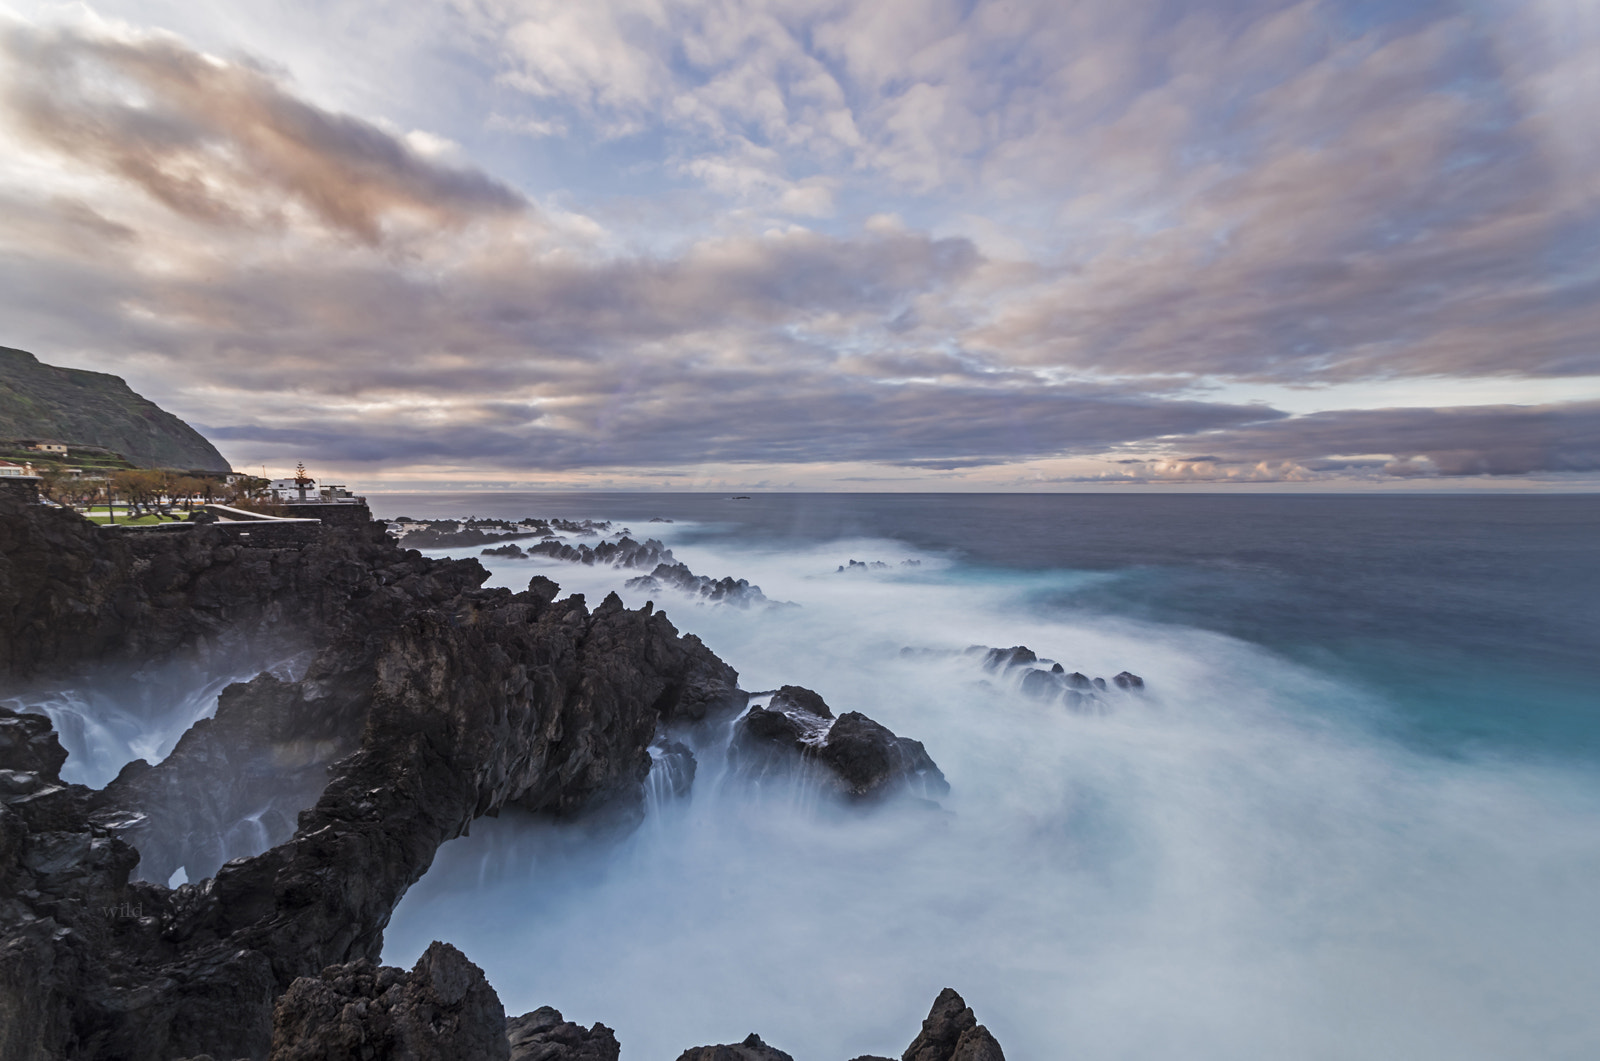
<point>8,468</point>
<point>289,491</point>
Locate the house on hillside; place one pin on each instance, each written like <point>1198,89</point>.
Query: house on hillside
<point>9,468</point>
<point>46,445</point>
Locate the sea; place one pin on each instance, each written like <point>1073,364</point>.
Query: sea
<point>1353,814</point>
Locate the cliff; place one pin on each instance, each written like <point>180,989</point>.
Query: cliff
<point>426,701</point>
<point>39,401</point>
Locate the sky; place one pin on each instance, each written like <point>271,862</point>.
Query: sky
<point>830,245</point>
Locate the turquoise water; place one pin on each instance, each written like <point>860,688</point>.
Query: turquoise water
<point>1357,814</point>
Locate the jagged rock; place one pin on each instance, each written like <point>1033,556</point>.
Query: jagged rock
<point>862,759</point>
<point>1126,680</point>
<point>28,744</point>
<point>511,551</point>
<point>738,592</point>
<point>439,702</point>
<point>951,1032</point>
<point>427,702</point>
<point>623,553</point>
<point>544,1035</point>
<point>1008,657</point>
<point>442,1010</point>
<point>751,1049</point>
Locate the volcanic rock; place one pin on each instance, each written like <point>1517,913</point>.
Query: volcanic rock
<point>442,1010</point>
<point>544,1035</point>
<point>861,759</point>
<point>952,1033</point>
<point>751,1049</point>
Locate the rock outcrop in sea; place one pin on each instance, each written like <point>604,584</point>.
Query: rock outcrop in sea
<point>427,701</point>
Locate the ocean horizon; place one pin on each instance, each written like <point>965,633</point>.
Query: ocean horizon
<point>1352,812</point>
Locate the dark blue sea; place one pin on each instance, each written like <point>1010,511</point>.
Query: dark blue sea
<point>1355,814</point>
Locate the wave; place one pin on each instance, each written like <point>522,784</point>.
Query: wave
<point>1234,862</point>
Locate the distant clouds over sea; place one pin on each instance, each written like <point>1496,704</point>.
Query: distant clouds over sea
<point>928,245</point>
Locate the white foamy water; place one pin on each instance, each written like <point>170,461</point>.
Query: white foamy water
<point>1234,865</point>
<point>112,717</point>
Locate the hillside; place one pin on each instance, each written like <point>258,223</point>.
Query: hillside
<point>92,408</point>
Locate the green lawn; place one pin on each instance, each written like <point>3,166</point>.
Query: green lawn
<point>142,521</point>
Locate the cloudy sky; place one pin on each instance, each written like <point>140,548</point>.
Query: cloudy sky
<point>824,244</point>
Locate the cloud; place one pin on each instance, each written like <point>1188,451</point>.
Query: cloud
<point>1493,440</point>
<point>225,142</point>
<point>1166,197</point>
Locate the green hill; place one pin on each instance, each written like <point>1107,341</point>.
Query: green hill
<point>39,401</point>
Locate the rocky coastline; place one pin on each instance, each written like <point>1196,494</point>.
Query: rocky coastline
<point>426,701</point>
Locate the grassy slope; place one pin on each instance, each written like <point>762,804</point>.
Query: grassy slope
<point>93,408</point>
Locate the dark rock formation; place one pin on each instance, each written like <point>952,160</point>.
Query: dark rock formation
<point>738,592</point>
<point>43,402</point>
<point>752,1049</point>
<point>429,703</point>
<point>442,1010</point>
<point>952,1033</point>
<point>1016,656</point>
<point>544,1035</point>
<point>874,565</point>
<point>861,759</point>
<point>623,553</point>
<point>1041,679</point>
<point>510,550</point>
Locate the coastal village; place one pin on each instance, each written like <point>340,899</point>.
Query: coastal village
<point>104,487</point>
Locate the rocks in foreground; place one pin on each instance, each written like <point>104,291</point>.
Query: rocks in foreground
<point>544,1035</point>
<point>442,1010</point>
<point>434,701</point>
<point>751,1049</point>
<point>427,702</point>
<point>951,1032</point>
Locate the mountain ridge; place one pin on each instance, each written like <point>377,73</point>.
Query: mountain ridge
<point>40,401</point>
